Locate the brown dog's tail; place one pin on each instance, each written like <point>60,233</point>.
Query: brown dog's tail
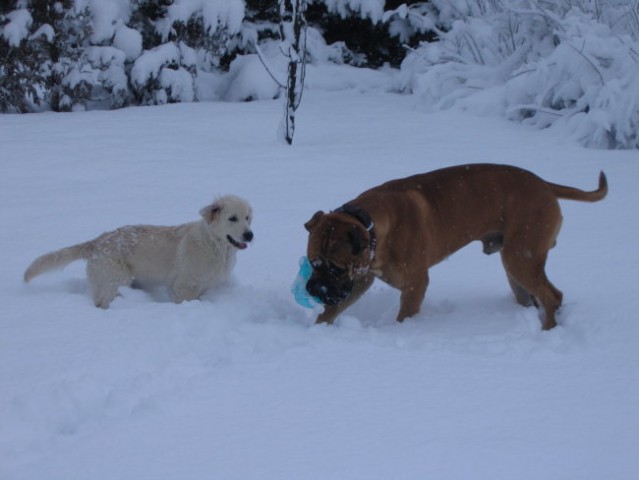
<point>58,259</point>
<point>570,193</point>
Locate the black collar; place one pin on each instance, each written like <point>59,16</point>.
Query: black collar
<point>365,219</point>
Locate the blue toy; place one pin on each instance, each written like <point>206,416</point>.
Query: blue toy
<point>299,286</point>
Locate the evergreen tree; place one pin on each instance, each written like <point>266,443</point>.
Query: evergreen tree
<point>24,57</point>
<point>58,63</point>
<point>70,81</point>
<point>146,14</point>
<point>176,50</point>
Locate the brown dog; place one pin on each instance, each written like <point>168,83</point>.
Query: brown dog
<point>398,230</point>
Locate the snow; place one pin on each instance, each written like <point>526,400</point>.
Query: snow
<point>372,9</point>
<point>148,66</point>
<point>225,13</point>
<point>249,80</point>
<point>228,13</point>
<point>106,56</point>
<point>241,384</point>
<point>129,41</point>
<point>45,31</point>
<point>105,14</point>
<point>179,83</point>
<point>17,27</point>
<point>175,83</point>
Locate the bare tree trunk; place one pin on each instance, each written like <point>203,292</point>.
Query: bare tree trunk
<point>293,34</point>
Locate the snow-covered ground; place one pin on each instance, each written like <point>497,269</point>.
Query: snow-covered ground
<point>242,385</point>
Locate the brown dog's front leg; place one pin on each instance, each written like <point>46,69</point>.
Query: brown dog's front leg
<point>412,298</point>
<point>332,311</point>
<point>328,315</point>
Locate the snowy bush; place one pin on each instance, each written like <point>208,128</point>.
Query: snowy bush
<point>160,76</point>
<point>128,41</point>
<point>187,37</point>
<point>372,9</point>
<point>76,80</point>
<point>110,83</point>
<point>84,54</point>
<point>359,34</point>
<point>570,64</point>
<point>16,26</point>
<point>49,61</point>
<point>204,25</point>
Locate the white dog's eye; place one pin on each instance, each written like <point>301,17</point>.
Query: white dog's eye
<point>233,218</point>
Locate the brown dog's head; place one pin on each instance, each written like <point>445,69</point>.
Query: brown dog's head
<point>339,251</point>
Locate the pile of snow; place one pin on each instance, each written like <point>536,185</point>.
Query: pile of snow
<point>572,65</point>
<point>255,76</point>
<point>129,41</point>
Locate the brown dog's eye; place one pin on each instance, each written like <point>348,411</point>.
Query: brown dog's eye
<point>334,270</point>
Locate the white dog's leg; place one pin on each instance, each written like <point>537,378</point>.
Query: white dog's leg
<point>185,291</point>
<point>105,277</point>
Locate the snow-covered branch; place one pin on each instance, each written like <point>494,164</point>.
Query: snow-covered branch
<point>568,64</point>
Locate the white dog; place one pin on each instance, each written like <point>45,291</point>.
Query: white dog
<point>189,259</point>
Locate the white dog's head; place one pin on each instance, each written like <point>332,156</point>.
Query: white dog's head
<point>229,218</point>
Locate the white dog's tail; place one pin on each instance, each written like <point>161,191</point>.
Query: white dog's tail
<point>58,259</point>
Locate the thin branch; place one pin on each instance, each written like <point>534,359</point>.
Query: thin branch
<point>535,108</point>
<point>594,67</point>
<point>268,70</point>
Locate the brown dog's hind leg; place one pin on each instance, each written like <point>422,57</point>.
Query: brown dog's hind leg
<point>522,295</point>
<point>528,271</point>
<point>332,311</point>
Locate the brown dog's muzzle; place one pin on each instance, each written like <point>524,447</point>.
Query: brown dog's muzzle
<point>330,284</point>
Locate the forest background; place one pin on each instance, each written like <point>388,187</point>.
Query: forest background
<point>570,63</point>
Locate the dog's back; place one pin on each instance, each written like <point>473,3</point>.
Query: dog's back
<point>119,244</point>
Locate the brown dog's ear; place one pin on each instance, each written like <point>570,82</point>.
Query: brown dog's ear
<point>210,213</point>
<point>356,237</point>
<point>313,221</point>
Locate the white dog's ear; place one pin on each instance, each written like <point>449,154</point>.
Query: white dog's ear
<point>210,213</point>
